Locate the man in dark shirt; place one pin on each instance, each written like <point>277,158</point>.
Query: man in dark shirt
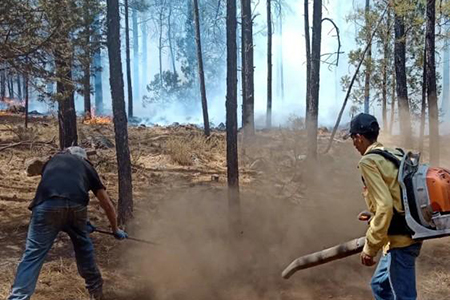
<point>60,204</point>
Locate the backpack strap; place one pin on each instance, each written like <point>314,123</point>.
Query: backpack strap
<point>388,155</point>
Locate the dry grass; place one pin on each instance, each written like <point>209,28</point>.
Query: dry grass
<point>435,285</point>
<point>189,150</point>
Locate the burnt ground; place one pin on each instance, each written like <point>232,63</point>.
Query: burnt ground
<point>289,207</point>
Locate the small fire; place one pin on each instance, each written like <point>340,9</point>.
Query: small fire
<point>98,120</point>
<point>12,101</point>
<point>92,119</point>
<point>5,113</point>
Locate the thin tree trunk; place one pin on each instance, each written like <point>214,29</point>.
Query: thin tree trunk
<point>386,53</point>
<point>243,66</point>
<point>280,57</point>
<point>98,72</point>
<point>347,95</point>
<point>87,90</point>
<point>134,16</point>
<point>67,119</point>
<point>391,124</point>
<point>160,49</point>
<point>201,73</point>
<point>402,89</point>
<point>87,66</point>
<point>308,59</point>
<point>26,91</point>
<point>19,87</point>
<point>169,33</point>
<point>232,136</point>
<point>65,88</point>
<point>446,71</point>
<point>248,103</point>
<point>125,204</point>
<point>127,52</point>
<point>368,60</point>
<point>424,101</point>
<point>315,80</point>
<point>11,85</point>
<point>3,84</point>
<point>269,64</point>
<point>145,66</point>
<point>433,111</point>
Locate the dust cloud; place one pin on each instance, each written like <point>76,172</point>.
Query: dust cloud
<point>197,260</point>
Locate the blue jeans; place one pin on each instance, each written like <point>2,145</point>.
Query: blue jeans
<point>395,276</point>
<point>47,220</point>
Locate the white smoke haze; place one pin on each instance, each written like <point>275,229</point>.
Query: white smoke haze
<point>292,43</point>
<point>293,48</point>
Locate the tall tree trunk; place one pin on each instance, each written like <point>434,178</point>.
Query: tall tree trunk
<point>400,72</point>
<point>127,51</point>
<point>145,67</point>
<point>98,71</point>
<point>134,17</point>
<point>11,85</point>
<point>368,60</point>
<point>386,54</point>
<point>125,205</point>
<point>86,63</point>
<point>424,101</point>
<point>3,84</point>
<point>50,88</point>
<point>19,87</point>
<point>87,90</point>
<point>308,59</point>
<point>243,72</point>
<point>280,56</point>
<point>169,33</point>
<point>27,95</point>
<point>269,64</point>
<point>315,80</point>
<point>446,72</point>
<point>160,46</point>
<point>67,118</point>
<point>248,103</point>
<point>231,107</point>
<point>393,95</point>
<point>201,73</point>
<point>243,64</point>
<point>431,84</point>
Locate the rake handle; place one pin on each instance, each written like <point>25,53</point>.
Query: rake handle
<point>129,238</point>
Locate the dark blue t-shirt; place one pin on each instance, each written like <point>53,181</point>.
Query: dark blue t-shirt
<point>67,176</point>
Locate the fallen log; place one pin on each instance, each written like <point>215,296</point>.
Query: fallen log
<point>322,257</point>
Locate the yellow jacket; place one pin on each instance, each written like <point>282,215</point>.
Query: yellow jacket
<point>382,195</point>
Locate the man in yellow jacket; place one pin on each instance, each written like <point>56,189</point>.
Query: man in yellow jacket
<point>394,277</point>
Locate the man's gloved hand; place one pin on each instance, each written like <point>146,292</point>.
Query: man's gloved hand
<point>90,228</point>
<point>120,234</point>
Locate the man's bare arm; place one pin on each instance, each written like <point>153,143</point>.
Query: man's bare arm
<point>108,207</point>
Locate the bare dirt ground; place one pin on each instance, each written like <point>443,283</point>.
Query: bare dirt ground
<point>289,208</point>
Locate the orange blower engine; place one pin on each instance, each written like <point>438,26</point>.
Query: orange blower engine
<point>426,198</point>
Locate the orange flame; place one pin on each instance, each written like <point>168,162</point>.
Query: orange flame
<point>98,120</point>
<point>12,101</point>
<point>92,118</point>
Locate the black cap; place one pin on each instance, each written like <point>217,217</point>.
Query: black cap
<point>363,123</point>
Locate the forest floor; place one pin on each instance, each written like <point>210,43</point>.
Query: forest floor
<point>289,208</point>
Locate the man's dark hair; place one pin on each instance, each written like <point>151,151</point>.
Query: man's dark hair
<point>371,136</point>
